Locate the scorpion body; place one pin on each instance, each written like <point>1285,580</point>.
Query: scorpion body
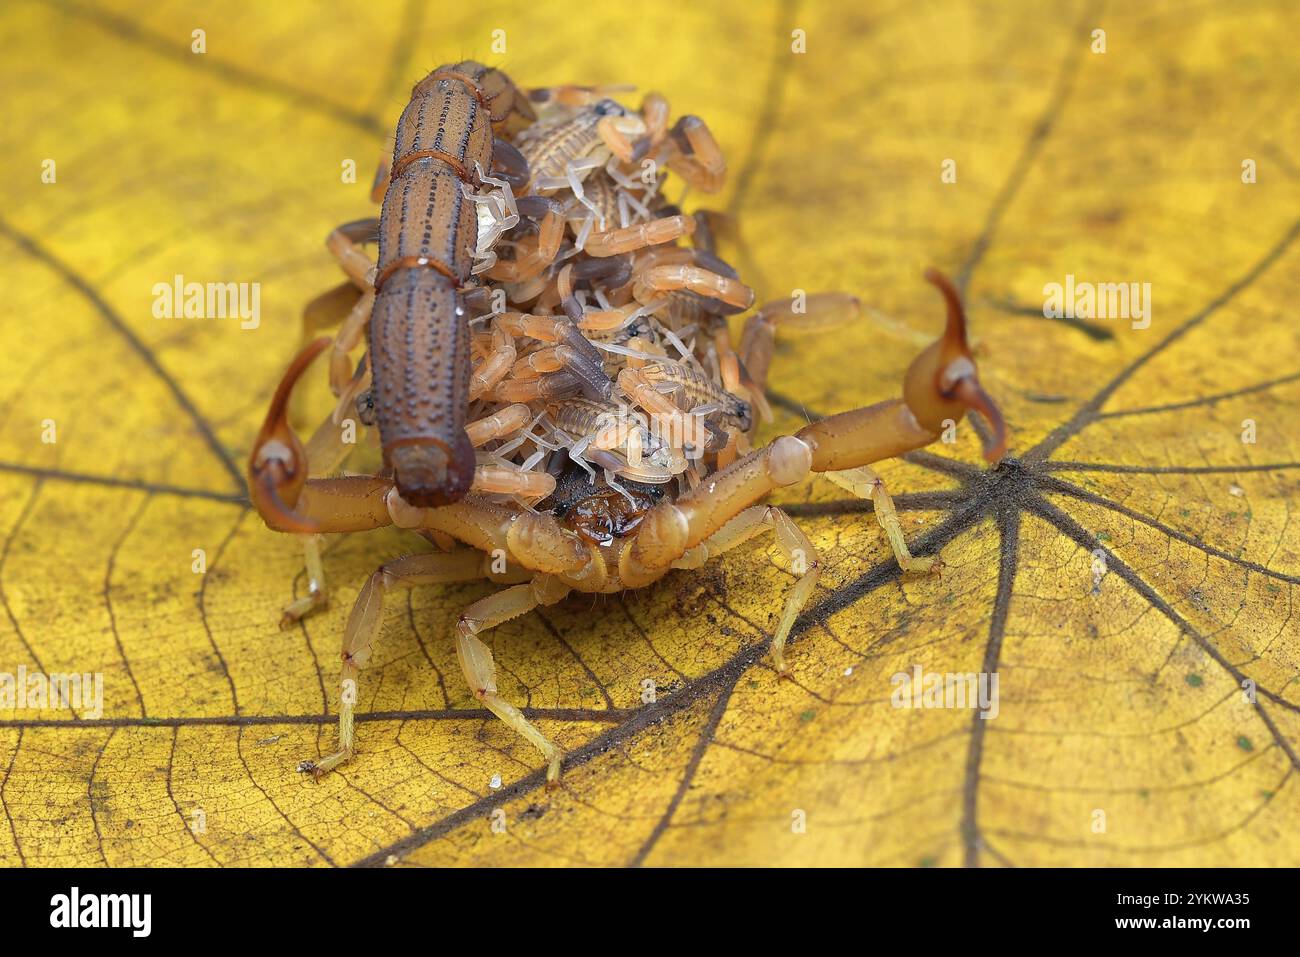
<point>598,432</point>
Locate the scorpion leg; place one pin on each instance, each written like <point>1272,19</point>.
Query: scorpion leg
<point>706,230</point>
<point>672,277</point>
<point>361,381</point>
<point>383,173</point>
<point>480,670</point>
<point>654,113</point>
<point>348,505</point>
<point>696,156</point>
<point>382,178</point>
<point>628,239</point>
<point>574,95</point>
<point>797,549</point>
<point>316,597</point>
<point>364,624</point>
<point>499,425</point>
<point>728,361</point>
<point>496,366</point>
<point>618,133</point>
<point>345,243</point>
<point>329,309</point>
<point>512,481</point>
<point>573,180</point>
<point>349,337</point>
<point>865,483</point>
<point>822,310</point>
<point>327,449</point>
<point>510,164</point>
<point>532,255</point>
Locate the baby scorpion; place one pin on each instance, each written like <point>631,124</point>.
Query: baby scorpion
<point>603,437</point>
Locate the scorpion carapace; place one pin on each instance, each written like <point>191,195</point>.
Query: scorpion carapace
<point>559,401</point>
<point>428,232</point>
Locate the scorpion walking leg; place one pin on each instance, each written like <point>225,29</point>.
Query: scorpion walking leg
<point>328,310</point>
<point>510,164</point>
<point>361,380</point>
<point>316,597</point>
<point>821,310</point>
<point>480,670</point>
<point>350,335</point>
<point>616,242</point>
<point>797,549</point>
<point>383,174</point>
<point>363,628</point>
<point>729,294</point>
<point>573,95</point>
<point>533,255</point>
<point>865,483</point>
<point>331,444</point>
<point>345,243</point>
<point>696,156</point>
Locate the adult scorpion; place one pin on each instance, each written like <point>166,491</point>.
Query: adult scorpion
<point>596,435</point>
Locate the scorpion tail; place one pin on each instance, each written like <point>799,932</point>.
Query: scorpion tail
<point>277,467</point>
<point>420,354</point>
<point>429,474</point>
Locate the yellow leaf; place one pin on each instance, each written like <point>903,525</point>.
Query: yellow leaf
<point>1129,573</point>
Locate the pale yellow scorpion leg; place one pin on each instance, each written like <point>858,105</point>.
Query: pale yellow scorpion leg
<point>865,483</point>
<point>797,549</point>
<point>480,670</point>
<point>345,244</point>
<point>363,628</point>
<point>317,597</point>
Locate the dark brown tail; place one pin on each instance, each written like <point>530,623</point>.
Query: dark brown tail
<point>420,352</point>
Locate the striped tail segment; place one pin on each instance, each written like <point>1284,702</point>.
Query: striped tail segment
<point>419,335</point>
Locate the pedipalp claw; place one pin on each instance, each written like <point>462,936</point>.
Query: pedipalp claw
<point>957,378</point>
<point>277,466</point>
<point>970,392</point>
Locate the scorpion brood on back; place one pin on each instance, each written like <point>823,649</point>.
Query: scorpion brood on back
<point>553,376</point>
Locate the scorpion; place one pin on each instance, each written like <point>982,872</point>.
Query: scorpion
<point>600,431</point>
